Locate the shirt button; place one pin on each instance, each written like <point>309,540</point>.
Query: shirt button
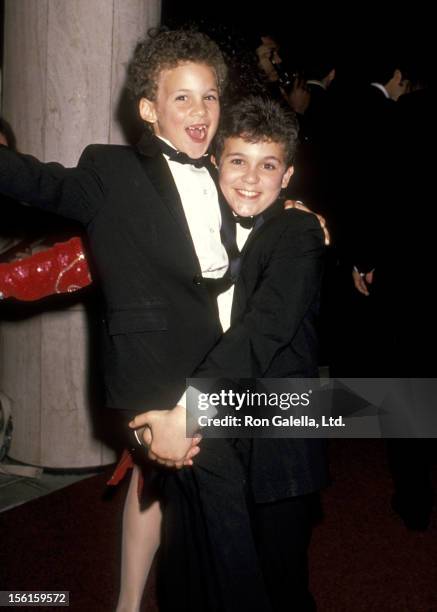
<point>197,280</point>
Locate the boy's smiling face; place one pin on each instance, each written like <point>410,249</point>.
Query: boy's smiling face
<point>186,110</point>
<point>252,174</point>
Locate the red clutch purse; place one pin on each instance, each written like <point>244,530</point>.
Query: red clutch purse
<point>62,268</point>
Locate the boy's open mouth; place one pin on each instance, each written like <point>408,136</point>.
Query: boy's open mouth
<point>197,132</point>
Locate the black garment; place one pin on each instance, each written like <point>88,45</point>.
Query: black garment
<point>272,334</point>
<point>23,226</point>
<point>396,323</point>
<point>313,183</point>
<point>364,185</point>
<point>222,552</point>
<point>283,531</point>
<point>395,239</point>
<point>157,303</point>
<point>273,320</point>
<point>207,558</point>
<point>246,222</point>
<point>404,276</point>
<point>155,300</point>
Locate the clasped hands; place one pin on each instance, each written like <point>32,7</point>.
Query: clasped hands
<point>164,434</point>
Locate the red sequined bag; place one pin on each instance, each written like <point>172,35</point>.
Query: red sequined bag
<point>62,268</point>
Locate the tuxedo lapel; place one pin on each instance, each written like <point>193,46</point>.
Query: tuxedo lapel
<point>228,234</point>
<point>260,222</point>
<point>159,174</point>
<point>228,230</point>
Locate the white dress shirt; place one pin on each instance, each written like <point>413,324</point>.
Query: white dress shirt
<point>199,199</point>
<point>224,303</point>
<point>381,88</point>
<point>224,300</point>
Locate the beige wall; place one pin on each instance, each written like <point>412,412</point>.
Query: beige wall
<point>64,68</point>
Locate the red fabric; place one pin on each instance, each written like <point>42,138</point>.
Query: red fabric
<point>62,268</point>
<point>126,463</point>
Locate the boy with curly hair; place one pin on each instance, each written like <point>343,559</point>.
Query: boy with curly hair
<point>161,241</point>
<point>269,319</point>
<point>155,231</point>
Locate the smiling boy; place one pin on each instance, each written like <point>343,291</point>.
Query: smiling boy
<point>186,109</point>
<point>266,486</point>
<point>252,174</point>
<point>155,233</point>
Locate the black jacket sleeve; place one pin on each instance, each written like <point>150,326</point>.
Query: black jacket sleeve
<point>287,287</point>
<point>76,193</point>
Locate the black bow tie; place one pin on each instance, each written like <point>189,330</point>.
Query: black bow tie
<point>183,158</point>
<point>246,222</point>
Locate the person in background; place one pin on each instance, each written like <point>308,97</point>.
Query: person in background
<point>281,83</point>
<point>396,277</point>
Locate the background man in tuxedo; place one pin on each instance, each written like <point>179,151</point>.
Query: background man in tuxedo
<point>365,172</point>
<point>396,265</point>
<point>392,306</point>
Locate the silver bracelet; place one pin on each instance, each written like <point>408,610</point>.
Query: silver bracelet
<point>140,440</point>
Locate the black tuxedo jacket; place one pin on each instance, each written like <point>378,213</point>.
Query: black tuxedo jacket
<point>159,322</point>
<point>275,302</point>
<point>273,335</point>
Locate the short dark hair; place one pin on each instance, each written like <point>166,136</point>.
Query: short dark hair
<point>257,119</point>
<point>164,49</point>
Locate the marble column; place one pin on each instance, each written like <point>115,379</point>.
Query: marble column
<point>64,68</point>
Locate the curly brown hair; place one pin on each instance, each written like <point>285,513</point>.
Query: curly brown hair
<point>164,49</point>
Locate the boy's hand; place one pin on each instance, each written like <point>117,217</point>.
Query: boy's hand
<point>165,435</point>
<point>362,281</point>
<point>301,206</point>
<point>299,97</point>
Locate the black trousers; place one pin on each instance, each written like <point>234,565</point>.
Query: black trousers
<point>220,551</point>
<point>283,533</point>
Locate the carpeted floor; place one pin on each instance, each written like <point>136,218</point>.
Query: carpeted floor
<point>362,557</point>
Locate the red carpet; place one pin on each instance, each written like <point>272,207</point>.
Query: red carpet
<point>362,557</point>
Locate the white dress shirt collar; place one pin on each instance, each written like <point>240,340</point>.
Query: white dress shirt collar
<point>381,88</point>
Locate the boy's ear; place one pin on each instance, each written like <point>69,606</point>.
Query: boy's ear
<point>147,110</point>
<point>287,176</point>
<point>214,161</point>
